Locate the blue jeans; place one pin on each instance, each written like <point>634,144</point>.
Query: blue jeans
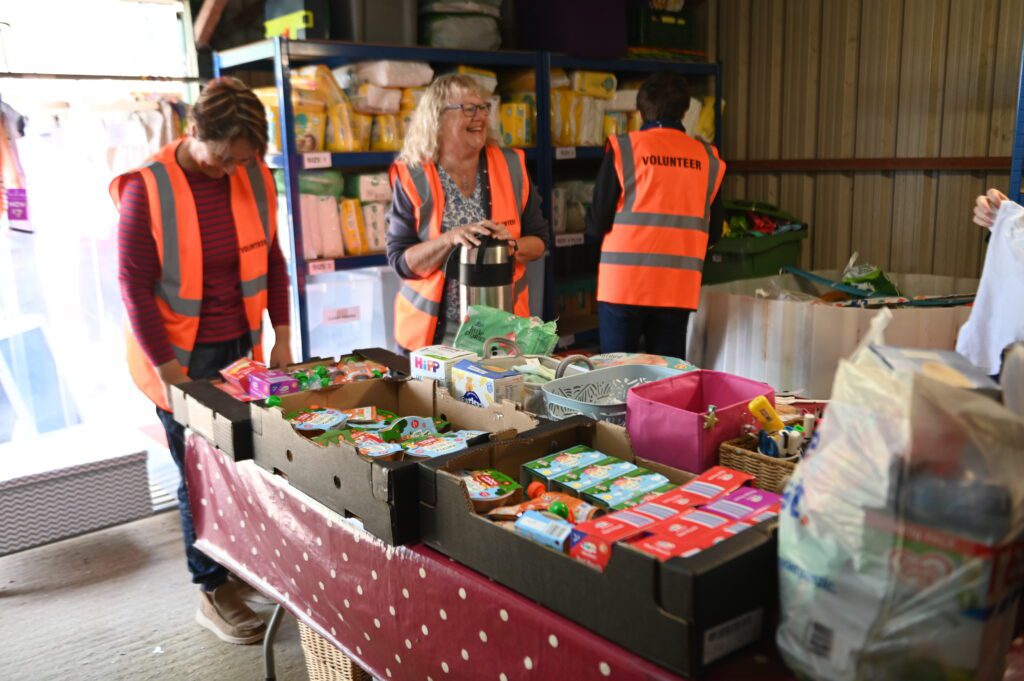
<point>207,361</point>
<point>663,329</point>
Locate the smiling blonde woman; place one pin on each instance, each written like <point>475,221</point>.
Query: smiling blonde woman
<point>452,185</point>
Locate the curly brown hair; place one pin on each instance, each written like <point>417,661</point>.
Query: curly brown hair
<point>226,110</point>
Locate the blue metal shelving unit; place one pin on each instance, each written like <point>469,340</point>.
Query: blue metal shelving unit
<point>279,54</point>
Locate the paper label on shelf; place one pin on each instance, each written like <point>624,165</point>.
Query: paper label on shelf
<point>563,240</point>
<point>316,159</point>
<point>321,266</point>
<point>341,315</point>
<point>732,635</point>
<point>563,153</point>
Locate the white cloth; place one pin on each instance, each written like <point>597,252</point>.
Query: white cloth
<point>997,318</point>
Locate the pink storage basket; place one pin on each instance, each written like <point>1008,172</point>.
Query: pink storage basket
<point>668,420</point>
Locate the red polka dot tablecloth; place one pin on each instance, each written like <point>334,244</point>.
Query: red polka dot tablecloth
<point>400,612</point>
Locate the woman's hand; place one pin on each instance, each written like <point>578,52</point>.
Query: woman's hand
<point>171,373</point>
<point>501,233</point>
<point>469,235</point>
<point>986,206</point>
<point>281,353</point>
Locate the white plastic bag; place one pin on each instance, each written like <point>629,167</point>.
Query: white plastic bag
<point>387,73</point>
<point>896,540</point>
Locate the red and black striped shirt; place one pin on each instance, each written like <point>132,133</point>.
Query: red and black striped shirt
<point>222,315</point>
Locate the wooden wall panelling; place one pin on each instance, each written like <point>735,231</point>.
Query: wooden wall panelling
<point>733,44</point>
<point>800,73</point>
<point>1010,33</point>
<point>966,119</point>
<point>837,125</point>
<point>881,32</point>
<point>764,104</point>
<point>919,132</point>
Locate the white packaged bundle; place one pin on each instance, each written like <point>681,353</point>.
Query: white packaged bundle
<point>395,74</point>
<point>373,99</point>
<point>623,100</point>
<point>312,248</point>
<point>591,132</point>
<point>329,226</point>
<point>898,530</point>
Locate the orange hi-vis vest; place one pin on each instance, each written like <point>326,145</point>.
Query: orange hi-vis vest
<point>654,254</point>
<point>175,226</point>
<point>418,304</point>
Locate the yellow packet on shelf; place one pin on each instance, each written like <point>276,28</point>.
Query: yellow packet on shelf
<point>635,122</point>
<point>318,77</point>
<point>341,129</point>
<point>404,121</point>
<point>364,129</point>
<point>487,80</point>
<point>310,110</point>
<point>411,97</point>
<point>376,227</point>
<point>353,227</point>
<point>516,125</point>
<point>615,123</point>
<point>566,117</point>
<point>598,84</point>
<point>706,123</point>
<point>384,134</point>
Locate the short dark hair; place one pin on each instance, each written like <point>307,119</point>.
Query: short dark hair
<point>664,94</point>
<point>228,109</point>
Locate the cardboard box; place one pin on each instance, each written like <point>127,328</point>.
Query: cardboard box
<point>436,361</point>
<point>227,422</point>
<point>683,613</point>
<point>478,384</point>
<point>383,494</point>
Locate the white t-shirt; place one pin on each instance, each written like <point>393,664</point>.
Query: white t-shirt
<point>997,318</point>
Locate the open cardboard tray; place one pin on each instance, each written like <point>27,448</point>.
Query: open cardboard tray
<point>227,423</point>
<point>383,494</point>
<point>684,613</point>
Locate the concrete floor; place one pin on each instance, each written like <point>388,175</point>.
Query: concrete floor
<point>118,604</point>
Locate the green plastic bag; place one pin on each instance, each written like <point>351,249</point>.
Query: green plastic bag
<point>534,336</point>
<point>315,182</point>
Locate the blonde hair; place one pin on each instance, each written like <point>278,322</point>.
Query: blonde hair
<point>228,110</point>
<point>421,143</point>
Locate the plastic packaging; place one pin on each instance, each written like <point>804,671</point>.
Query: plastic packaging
<point>353,228</point>
<point>460,31</point>
<point>310,109</point>
<point>318,77</point>
<point>411,97</point>
<point>373,99</point>
<point>615,123</point>
<point>368,187</point>
<point>385,134</point>
<point>375,226</point>
<point>533,336</point>
<point>516,125</point>
<point>342,129</point>
<point>593,83</point>
<point>566,117</point>
<point>524,80</point>
<point>486,80</point>
<point>898,530</point>
<point>591,130</point>
<point>394,74</point>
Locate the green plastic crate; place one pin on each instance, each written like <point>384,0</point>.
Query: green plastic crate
<point>653,28</point>
<point>750,257</point>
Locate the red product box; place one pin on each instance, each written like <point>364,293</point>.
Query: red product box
<point>678,499</point>
<point>591,542</point>
<point>237,373</point>
<point>714,482</point>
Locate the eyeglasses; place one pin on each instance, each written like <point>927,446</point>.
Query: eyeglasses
<point>470,110</point>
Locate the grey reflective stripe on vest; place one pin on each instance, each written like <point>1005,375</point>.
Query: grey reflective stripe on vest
<point>419,180</point>
<point>519,287</point>
<point>182,355</point>
<point>515,171</point>
<point>661,220</point>
<point>712,176</point>
<point>674,262</point>
<point>256,338</point>
<point>259,193</point>
<point>253,286</point>
<point>419,302</point>
<point>170,275</point>
<point>628,173</point>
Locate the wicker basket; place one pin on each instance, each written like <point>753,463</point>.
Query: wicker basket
<point>769,473</point>
<point>324,662</point>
